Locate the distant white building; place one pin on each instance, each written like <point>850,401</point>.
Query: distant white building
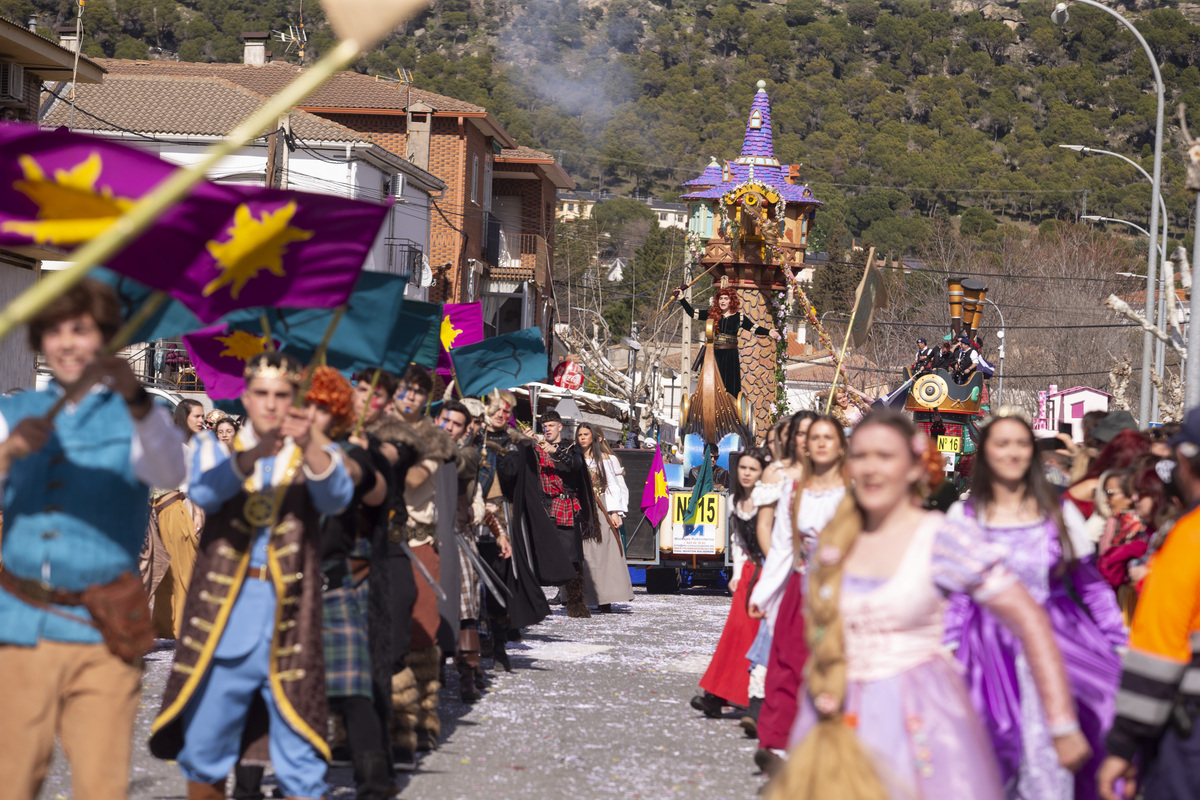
<point>1069,406</point>
<point>177,117</point>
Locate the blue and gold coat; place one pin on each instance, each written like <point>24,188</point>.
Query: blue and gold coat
<point>297,670</point>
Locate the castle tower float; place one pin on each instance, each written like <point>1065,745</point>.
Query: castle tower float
<point>752,217</point>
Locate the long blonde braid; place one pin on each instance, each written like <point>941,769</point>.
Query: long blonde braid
<point>830,763</point>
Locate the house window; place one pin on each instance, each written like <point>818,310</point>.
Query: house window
<point>662,216</point>
<point>570,206</point>
<point>474,179</point>
<point>487,182</point>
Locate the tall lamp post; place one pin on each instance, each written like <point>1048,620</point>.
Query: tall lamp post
<point>1059,16</point>
<point>1160,352</point>
<point>1000,352</point>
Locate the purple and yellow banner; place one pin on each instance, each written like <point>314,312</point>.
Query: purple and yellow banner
<point>462,324</point>
<point>221,249</point>
<point>219,355</point>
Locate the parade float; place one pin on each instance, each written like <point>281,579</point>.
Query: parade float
<point>947,403</point>
<point>749,222</point>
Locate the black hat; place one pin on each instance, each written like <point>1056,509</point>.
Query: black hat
<point>920,340</point>
<point>1189,431</point>
<point>1116,421</point>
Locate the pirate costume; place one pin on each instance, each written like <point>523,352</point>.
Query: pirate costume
<point>249,668</point>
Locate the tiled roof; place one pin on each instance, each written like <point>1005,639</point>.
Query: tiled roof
<point>345,90</point>
<point>523,153</point>
<point>710,177</point>
<point>756,162</point>
<point>199,106</point>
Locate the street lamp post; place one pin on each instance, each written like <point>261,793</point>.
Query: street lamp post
<point>1160,352</point>
<point>1059,16</point>
<point>1000,352</point>
<point>1160,349</point>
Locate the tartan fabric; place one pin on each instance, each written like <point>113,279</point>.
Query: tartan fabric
<point>344,635</point>
<point>469,586</point>
<point>563,507</point>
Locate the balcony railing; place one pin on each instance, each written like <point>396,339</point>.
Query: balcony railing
<point>528,253</point>
<point>404,258</point>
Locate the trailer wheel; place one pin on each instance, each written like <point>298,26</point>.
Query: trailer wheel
<point>662,580</point>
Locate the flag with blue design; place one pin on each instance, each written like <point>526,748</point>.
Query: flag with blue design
<point>501,362</point>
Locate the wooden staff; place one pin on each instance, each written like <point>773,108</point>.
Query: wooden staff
<point>846,341</point>
<point>685,288</point>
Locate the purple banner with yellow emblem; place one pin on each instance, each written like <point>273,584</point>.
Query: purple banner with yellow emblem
<point>219,355</point>
<point>220,249</point>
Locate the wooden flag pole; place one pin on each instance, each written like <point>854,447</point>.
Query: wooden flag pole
<point>685,288</point>
<point>846,342</point>
<point>146,211</point>
<point>318,358</point>
<point>841,357</point>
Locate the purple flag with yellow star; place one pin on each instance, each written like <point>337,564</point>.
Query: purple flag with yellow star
<point>219,355</point>
<point>221,249</point>
<point>462,323</point>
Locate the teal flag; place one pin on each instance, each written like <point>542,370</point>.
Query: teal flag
<point>501,362</point>
<point>363,339</point>
<point>704,485</point>
<point>431,344</point>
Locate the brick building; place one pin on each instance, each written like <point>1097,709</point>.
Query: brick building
<point>491,235</point>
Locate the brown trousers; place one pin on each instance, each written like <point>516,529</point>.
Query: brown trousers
<point>178,533</point>
<point>82,693</point>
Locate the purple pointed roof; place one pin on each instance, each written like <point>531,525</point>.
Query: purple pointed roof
<point>710,177</point>
<point>757,161</point>
<point>758,148</point>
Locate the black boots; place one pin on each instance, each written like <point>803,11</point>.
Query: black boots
<point>466,661</point>
<point>749,721</point>
<point>573,591</point>
<point>371,775</point>
<point>499,628</point>
<point>709,704</point>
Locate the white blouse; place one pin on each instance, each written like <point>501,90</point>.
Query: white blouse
<point>616,493</point>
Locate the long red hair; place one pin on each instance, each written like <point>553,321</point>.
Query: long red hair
<point>735,302</point>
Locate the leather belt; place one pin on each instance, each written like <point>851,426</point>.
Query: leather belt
<point>259,573</point>
<point>38,591</point>
<point>724,340</point>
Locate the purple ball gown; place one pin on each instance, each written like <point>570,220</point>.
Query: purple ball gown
<point>1088,629</point>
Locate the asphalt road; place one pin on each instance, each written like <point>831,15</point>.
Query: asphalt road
<point>593,709</point>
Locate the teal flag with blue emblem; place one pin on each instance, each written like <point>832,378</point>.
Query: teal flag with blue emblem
<point>501,362</point>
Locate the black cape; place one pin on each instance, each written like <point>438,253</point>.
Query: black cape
<point>538,558</point>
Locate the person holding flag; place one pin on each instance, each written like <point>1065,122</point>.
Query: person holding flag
<point>418,725</point>
<point>76,496</point>
<point>252,621</point>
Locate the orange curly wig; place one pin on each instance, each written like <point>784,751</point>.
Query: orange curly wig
<point>333,391</point>
<point>735,302</point>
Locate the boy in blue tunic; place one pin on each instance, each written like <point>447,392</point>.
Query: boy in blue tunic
<point>76,495</point>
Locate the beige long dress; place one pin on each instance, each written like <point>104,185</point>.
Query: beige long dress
<point>605,573</point>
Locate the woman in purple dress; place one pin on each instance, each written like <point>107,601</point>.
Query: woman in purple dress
<point>1049,550</point>
<point>886,714</point>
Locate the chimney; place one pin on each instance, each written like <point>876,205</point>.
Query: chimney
<point>31,23</point>
<point>255,52</point>
<point>68,37</point>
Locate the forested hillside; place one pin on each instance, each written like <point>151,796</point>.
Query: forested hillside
<point>901,111</point>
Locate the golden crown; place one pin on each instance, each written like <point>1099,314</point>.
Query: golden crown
<point>259,367</point>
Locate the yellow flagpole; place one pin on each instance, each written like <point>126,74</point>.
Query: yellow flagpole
<point>153,205</point>
<point>841,357</point>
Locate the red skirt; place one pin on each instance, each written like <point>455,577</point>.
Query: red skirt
<point>728,674</point>
<point>789,652</point>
